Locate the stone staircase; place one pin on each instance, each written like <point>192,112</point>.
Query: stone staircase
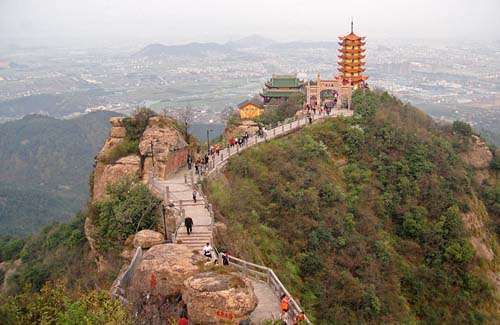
<point>197,239</point>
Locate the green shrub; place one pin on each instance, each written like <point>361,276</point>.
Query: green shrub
<point>10,248</point>
<point>414,223</point>
<point>462,128</point>
<point>310,264</point>
<point>124,148</point>
<point>128,208</point>
<point>136,124</point>
<point>54,305</point>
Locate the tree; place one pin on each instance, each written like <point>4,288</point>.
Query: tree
<point>462,128</point>
<point>185,118</point>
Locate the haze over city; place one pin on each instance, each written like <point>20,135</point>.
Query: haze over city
<point>118,22</point>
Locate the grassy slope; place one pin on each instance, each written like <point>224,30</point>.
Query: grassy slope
<point>361,218</point>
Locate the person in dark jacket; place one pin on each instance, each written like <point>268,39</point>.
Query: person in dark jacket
<point>188,222</point>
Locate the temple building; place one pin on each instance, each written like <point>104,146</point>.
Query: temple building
<point>352,54</point>
<point>332,93</point>
<point>337,92</point>
<point>280,87</point>
<point>250,110</point>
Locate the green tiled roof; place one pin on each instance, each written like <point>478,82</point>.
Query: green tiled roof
<point>270,93</point>
<point>286,81</point>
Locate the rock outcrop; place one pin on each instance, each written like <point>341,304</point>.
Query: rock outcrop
<point>106,174</point>
<point>213,298</point>
<point>169,148</point>
<point>163,270</point>
<point>169,154</point>
<point>474,221</point>
<point>479,157</point>
<point>148,238</point>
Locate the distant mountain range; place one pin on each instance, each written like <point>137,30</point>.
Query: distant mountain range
<point>232,47</point>
<point>44,168</point>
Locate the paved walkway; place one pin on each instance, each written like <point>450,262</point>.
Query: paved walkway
<point>268,307</point>
<point>178,189</point>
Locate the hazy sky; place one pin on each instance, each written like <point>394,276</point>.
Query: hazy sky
<point>94,22</point>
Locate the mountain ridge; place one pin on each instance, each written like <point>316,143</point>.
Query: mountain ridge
<point>51,159</point>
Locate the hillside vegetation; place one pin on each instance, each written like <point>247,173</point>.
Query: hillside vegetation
<point>51,277</point>
<point>362,217</point>
<point>45,165</point>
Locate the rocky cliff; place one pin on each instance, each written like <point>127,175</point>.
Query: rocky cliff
<point>135,148</point>
<point>161,150</point>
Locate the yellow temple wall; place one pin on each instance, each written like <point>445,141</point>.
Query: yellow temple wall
<point>250,111</point>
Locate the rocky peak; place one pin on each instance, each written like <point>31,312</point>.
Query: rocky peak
<point>169,152</point>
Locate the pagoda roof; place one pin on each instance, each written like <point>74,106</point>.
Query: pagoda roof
<point>284,81</point>
<point>275,93</point>
<point>351,70</point>
<point>357,78</point>
<point>351,51</point>
<point>350,56</point>
<point>351,64</point>
<point>351,43</point>
<point>351,37</point>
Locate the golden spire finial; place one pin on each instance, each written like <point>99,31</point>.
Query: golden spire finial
<point>352,25</point>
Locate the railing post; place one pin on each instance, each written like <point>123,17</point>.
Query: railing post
<point>185,179</point>
<point>167,195</point>
<point>274,132</point>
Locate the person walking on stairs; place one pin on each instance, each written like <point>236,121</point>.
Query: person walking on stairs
<point>189,161</point>
<point>284,306</point>
<point>188,222</point>
<point>195,194</point>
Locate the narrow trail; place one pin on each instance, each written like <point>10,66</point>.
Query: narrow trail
<point>178,190</point>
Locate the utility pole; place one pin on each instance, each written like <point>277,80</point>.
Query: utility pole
<point>152,157</point>
<point>208,140</point>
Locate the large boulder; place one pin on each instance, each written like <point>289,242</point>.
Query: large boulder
<point>213,298</point>
<point>163,270</point>
<point>148,238</point>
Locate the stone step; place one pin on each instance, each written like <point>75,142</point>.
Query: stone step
<point>191,238</point>
<point>194,233</point>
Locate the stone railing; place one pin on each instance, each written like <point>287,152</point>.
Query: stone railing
<point>216,162</point>
<point>168,198</point>
<point>122,281</point>
<point>267,275</point>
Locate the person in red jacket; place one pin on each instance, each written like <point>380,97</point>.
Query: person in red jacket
<point>183,321</point>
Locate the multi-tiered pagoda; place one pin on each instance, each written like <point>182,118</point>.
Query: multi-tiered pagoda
<point>351,64</point>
